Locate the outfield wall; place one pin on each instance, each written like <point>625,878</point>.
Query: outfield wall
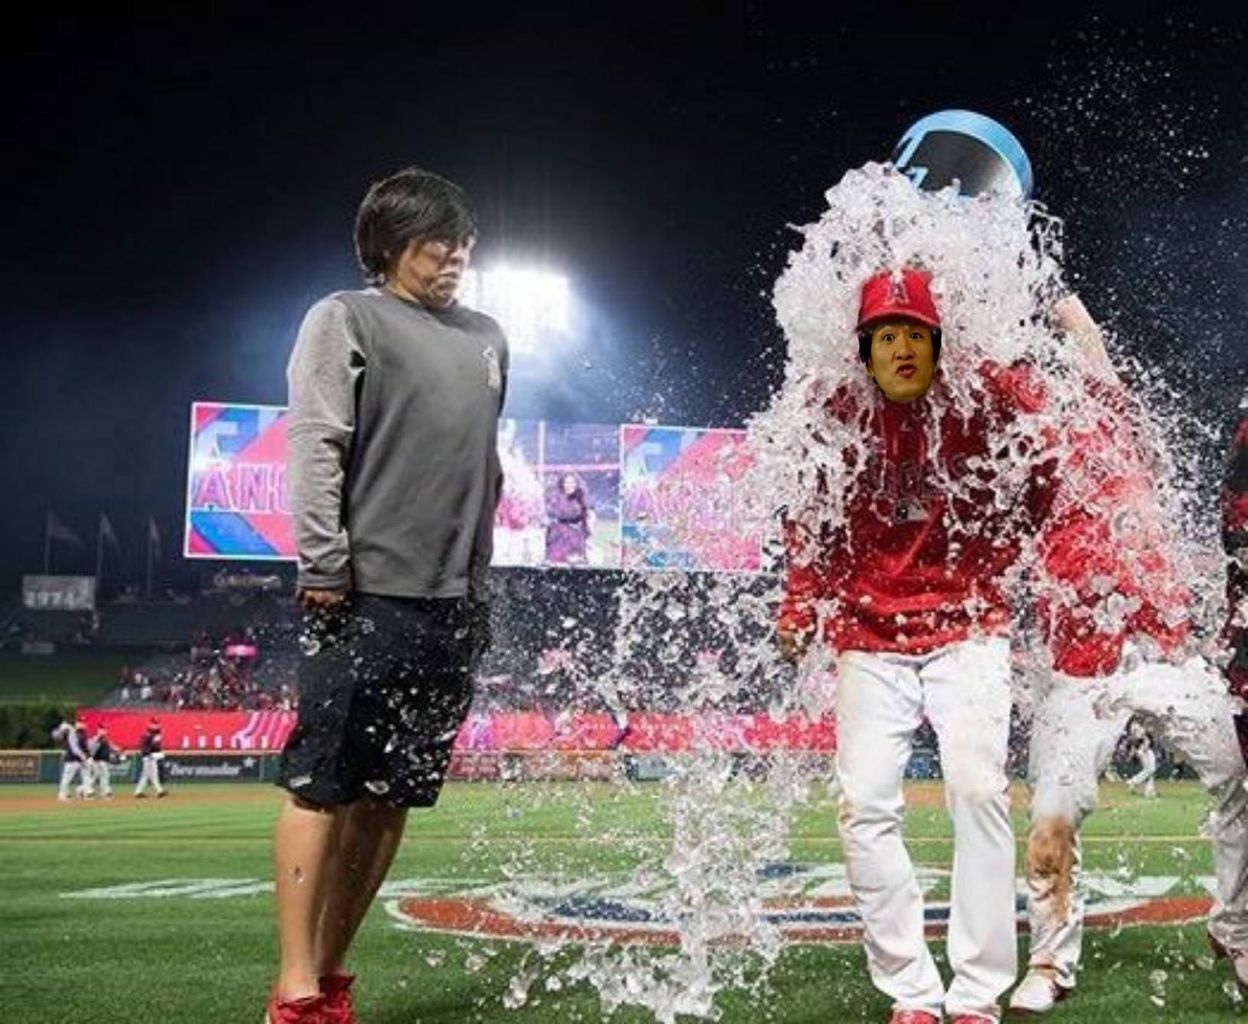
<point>492,732</point>
<point>44,766</point>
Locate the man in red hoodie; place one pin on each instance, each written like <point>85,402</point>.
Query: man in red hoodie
<point>1118,616</point>
<point>910,585</point>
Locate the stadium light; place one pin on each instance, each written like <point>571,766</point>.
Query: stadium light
<point>529,303</point>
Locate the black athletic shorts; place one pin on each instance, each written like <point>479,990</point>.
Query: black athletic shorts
<point>384,685</point>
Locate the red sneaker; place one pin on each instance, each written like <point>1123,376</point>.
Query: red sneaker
<point>339,1007</point>
<point>310,1010</point>
<point>913,1017</point>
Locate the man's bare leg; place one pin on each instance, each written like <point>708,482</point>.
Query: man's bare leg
<point>304,843</point>
<point>366,845</point>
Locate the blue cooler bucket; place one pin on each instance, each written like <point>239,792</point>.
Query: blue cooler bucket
<point>971,149</point>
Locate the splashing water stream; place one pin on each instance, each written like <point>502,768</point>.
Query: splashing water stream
<point>997,272</point>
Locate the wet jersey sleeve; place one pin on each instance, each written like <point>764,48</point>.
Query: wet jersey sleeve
<point>1109,571</point>
<point>802,577</point>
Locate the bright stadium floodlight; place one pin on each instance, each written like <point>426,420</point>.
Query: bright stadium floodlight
<point>526,302</point>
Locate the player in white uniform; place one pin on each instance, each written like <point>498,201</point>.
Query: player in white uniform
<point>911,594</point>
<point>103,756</point>
<point>73,739</point>
<point>1142,782</point>
<point>151,751</point>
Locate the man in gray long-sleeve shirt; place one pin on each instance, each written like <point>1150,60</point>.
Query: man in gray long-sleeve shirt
<point>395,393</point>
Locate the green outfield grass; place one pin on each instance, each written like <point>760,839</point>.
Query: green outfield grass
<point>72,677</point>
<point>183,960</point>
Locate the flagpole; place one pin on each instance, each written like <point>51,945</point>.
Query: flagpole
<point>99,553</point>
<point>149,559</point>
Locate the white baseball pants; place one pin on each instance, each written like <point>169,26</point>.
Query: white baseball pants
<point>1077,723</point>
<point>1143,779</point>
<point>101,783</point>
<point>964,691</point>
<point>70,771</point>
<point>150,772</point>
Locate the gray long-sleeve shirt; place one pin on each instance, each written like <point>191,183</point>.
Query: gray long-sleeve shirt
<point>393,467</point>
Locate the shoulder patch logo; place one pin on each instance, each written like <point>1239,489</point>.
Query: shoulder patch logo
<point>493,371</point>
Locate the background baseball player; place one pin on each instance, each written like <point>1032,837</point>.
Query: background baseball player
<point>151,754</point>
<point>1143,781</point>
<point>72,736</point>
<point>103,756</point>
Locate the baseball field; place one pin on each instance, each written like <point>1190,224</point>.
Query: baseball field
<point>160,910</point>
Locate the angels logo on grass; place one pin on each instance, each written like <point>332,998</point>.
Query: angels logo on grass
<point>808,904</point>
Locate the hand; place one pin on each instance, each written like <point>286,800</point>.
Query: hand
<point>793,643</point>
<point>318,598</point>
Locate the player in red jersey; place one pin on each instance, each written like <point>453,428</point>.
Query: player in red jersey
<point>1119,620</point>
<point>912,590</point>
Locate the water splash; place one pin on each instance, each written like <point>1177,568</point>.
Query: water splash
<point>706,646</point>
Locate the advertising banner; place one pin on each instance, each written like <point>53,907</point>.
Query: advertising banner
<point>237,503</point>
<point>210,768</point>
<point>58,593</point>
<point>205,733</point>
<point>576,495</point>
<point>19,766</point>
<point>196,730</point>
<point>679,494</point>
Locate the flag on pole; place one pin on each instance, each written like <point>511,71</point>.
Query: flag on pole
<point>153,551</point>
<point>107,533</point>
<point>56,530</point>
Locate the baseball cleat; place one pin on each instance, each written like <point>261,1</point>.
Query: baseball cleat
<point>310,1010</point>
<point>913,1017</point>
<point>339,1007</point>
<point>972,1018</point>
<point>1038,992</point>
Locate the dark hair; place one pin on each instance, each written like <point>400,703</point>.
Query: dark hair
<point>408,206</point>
<point>864,345</point>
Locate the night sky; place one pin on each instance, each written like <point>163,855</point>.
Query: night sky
<point>179,190</point>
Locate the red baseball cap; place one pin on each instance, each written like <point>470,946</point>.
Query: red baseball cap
<point>904,294</point>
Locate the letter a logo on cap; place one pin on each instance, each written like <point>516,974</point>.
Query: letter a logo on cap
<point>906,294</point>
